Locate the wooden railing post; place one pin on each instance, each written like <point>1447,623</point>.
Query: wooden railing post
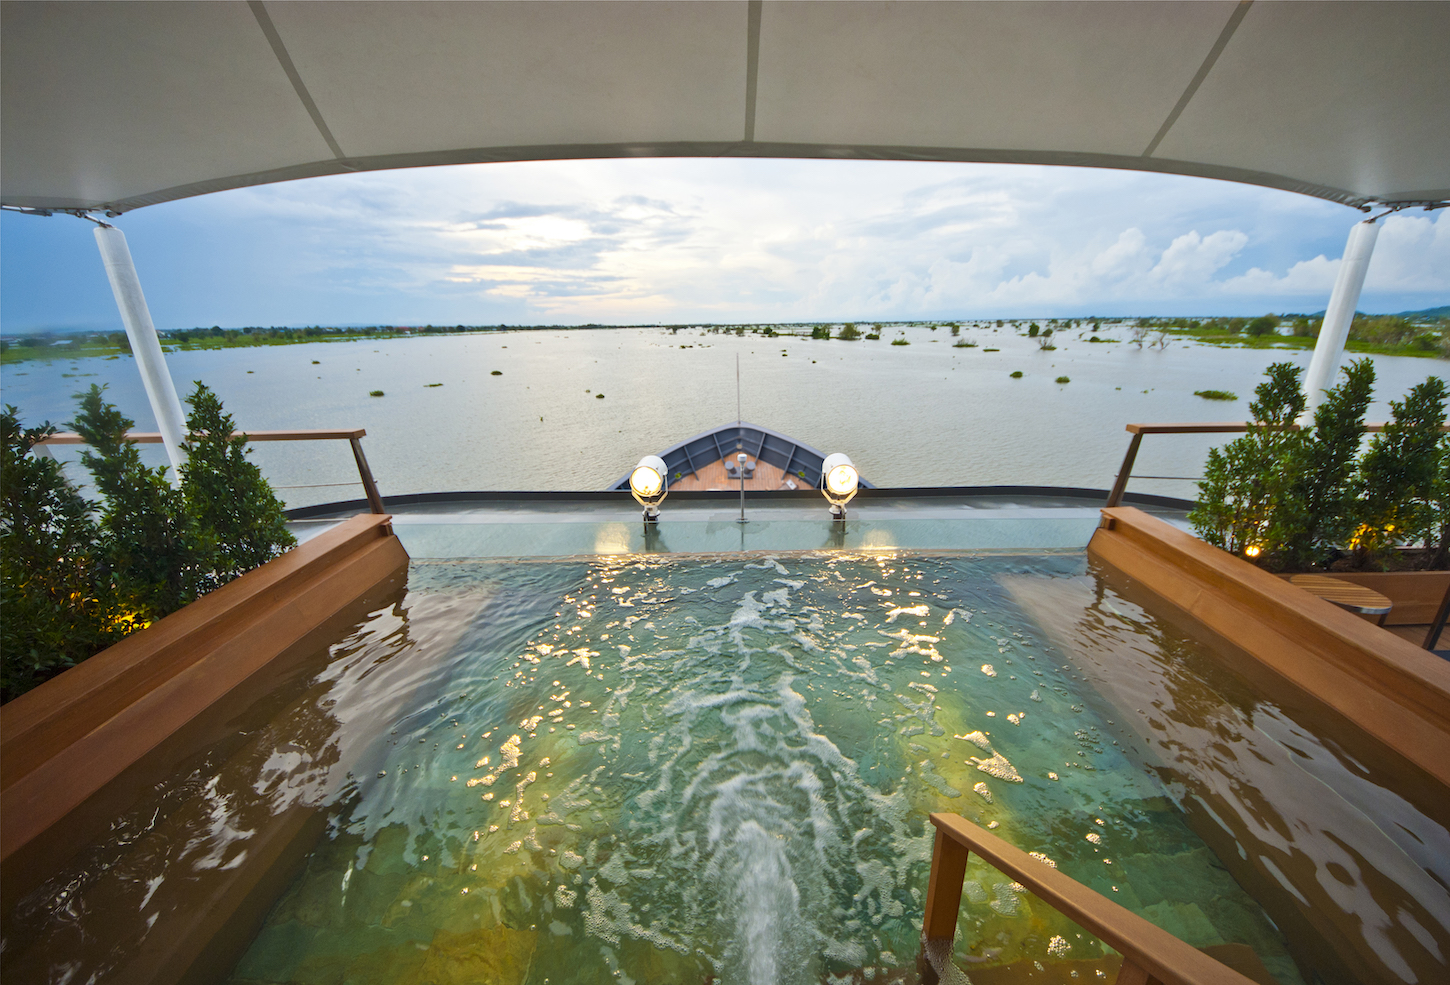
<point>943,905</point>
<point>944,888</point>
<point>375,501</point>
<point>1151,956</point>
<point>1115,497</point>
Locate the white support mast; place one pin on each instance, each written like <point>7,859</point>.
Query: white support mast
<point>1339,315</point>
<point>126,286</point>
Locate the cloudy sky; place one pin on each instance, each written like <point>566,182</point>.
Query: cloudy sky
<point>647,241</point>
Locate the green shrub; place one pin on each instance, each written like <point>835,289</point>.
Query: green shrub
<point>849,333</point>
<point>375,393</point>
<point>1242,482</point>
<point>1016,374</point>
<point>1063,379</point>
<point>159,556</point>
<point>820,332</point>
<point>72,586</point>
<point>54,590</point>
<point>900,342</point>
<point>1292,498</point>
<point>1400,473</point>
<point>1215,394</point>
<point>1317,512</point>
<point>1439,540</point>
<point>227,494</point>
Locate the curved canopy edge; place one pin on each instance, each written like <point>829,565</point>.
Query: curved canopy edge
<point>738,149</point>
<point>113,106</point>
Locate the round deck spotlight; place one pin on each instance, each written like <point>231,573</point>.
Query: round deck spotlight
<point>649,485</point>
<point>839,482</point>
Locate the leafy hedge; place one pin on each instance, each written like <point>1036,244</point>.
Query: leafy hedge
<point>1292,498</point>
<point>80,575</point>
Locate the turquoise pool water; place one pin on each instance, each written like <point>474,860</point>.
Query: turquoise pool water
<point>678,770</point>
<point>673,768</point>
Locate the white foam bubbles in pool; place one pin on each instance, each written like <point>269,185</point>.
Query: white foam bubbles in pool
<point>747,788</point>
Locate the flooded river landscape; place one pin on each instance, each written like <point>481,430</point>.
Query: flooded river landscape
<point>522,410</point>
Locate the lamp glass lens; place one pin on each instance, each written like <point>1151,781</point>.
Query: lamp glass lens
<point>645,481</point>
<point>841,479</point>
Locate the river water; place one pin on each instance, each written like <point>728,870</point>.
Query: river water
<point>924,414</point>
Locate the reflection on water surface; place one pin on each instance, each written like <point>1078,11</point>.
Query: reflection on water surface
<point>685,770</point>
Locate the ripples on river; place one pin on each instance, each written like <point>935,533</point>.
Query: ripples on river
<point>927,414</point>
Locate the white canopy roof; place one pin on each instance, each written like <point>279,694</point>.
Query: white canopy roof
<point>118,105</point>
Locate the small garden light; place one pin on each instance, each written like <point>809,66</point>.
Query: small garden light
<point>839,482</point>
<point>649,485</point>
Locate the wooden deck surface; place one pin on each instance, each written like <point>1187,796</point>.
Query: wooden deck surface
<point>1416,634</point>
<point>767,477</point>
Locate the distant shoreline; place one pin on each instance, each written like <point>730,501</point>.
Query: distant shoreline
<point>1215,332</point>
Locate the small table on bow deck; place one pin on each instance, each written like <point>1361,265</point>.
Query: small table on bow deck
<point>1345,594</point>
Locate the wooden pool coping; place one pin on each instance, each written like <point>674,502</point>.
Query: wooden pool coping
<point>74,749</point>
<point>1391,688</point>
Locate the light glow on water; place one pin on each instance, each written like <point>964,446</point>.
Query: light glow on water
<point>649,770</point>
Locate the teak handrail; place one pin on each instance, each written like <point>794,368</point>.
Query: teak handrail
<point>1150,954</point>
<point>1115,498</point>
<point>352,436</point>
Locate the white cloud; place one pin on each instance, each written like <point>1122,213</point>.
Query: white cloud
<point>1412,253</point>
<point>743,240</point>
<point>1306,277</point>
<point>684,240</point>
<point>1191,260</point>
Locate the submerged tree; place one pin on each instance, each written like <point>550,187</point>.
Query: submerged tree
<point>1263,325</point>
<point>227,494</point>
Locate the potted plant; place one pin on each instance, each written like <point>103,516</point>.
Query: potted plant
<point>1297,499</point>
<point>78,575</point>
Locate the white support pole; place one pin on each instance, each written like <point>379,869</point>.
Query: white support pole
<point>1339,315</point>
<point>126,286</point>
